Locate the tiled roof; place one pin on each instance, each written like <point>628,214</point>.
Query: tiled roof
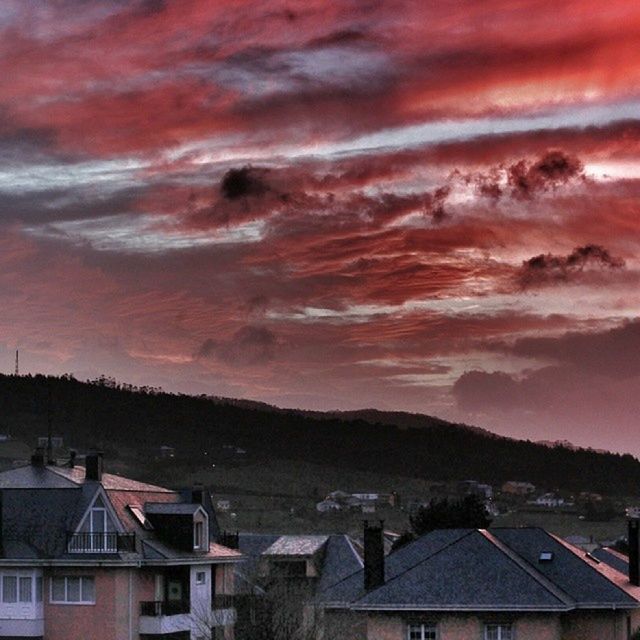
<point>109,480</point>
<point>496,570</point>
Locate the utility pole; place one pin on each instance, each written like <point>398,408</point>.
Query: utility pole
<point>17,365</point>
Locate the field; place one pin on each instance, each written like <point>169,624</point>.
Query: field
<point>279,496</point>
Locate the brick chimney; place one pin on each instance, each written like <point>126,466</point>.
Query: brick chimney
<point>634,551</point>
<point>93,465</point>
<point>373,555</point>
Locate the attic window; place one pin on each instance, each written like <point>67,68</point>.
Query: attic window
<point>545,556</point>
<point>138,514</point>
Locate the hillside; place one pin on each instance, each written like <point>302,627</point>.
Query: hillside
<point>118,417</point>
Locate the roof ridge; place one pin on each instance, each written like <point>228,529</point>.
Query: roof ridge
<point>579,555</point>
<point>548,584</point>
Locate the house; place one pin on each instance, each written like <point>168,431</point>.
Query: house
<point>87,554</point>
<point>57,442</point>
<point>550,500</point>
<point>475,584</point>
<point>328,505</point>
<point>518,488</point>
<point>279,578</point>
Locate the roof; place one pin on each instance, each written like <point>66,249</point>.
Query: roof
<point>496,570</point>
<point>41,506</point>
<point>32,477</point>
<point>109,481</point>
<point>339,560</point>
<point>171,508</point>
<point>296,546</point>
<point>613,558</point>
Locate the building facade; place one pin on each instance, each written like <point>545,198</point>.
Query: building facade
<point>87,554</point>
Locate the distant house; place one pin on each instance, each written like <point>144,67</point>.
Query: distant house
<point>223,505</point>
<point>473,584</point>
<point>166,452</point>
<point>548,500</point>
<point>328,505</point>
<point>359,500</point>
<point>57,442</point>
<point>518,488</point>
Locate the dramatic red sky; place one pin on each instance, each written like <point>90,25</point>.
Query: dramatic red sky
<point>427,206</point>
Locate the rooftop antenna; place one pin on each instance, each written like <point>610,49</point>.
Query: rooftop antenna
<point>17,365</point>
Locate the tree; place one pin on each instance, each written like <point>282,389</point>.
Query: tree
<point>466,513</point>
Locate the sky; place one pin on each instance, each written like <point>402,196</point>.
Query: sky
<point>408,205</point>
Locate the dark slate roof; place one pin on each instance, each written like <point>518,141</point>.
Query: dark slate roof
<point>496,570</point>
<point>39,519</point>
<point>32,477</point>
<point>171,508</point>
<point>614,560</point>
<point>341,559</point>
<point>571,573</point>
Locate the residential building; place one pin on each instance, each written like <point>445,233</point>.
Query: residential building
<point>473,584</point>
<point>91,555</point>
<point>280,577</point>
<point>518,488</point>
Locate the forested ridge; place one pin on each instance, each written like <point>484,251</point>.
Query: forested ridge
<point>110,415</point>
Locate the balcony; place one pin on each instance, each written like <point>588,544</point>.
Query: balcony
<point>103,542</point>
<point>159,617</point>
<point>164,607</point>
<point>223,612</point>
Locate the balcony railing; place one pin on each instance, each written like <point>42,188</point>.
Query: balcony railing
<point>222,601</point>
<point>157,608</point>
<point>103,542</point>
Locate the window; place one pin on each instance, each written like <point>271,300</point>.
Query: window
<point>25,588</point>
<point>9,588</point>
<point>422,631</point>
<point>73,590</point>
<point>201,577</point>
<point>498,631</point>
<point>198,535</point>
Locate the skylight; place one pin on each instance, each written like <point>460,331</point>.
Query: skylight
<point>138,514</point>
<point>545,556</point>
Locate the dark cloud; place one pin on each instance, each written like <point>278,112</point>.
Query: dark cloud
<point>249,345</point>
<point>552,170</point>
<point>244,183</point>
<point>612,353</point>
<point>549,269</point>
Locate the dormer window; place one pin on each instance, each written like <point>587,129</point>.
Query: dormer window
<point>198,535</point>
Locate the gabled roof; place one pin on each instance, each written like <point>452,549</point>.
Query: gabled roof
<point>496,570</point>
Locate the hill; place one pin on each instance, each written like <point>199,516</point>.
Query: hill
<point>119,417</point>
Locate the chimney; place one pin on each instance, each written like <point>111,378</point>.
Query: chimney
<point>634,551</point>
<point>37,457</point>
<point>373,555</point>
<point>93,466</point>
<point>72,458</point>
<point>197,493</point>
